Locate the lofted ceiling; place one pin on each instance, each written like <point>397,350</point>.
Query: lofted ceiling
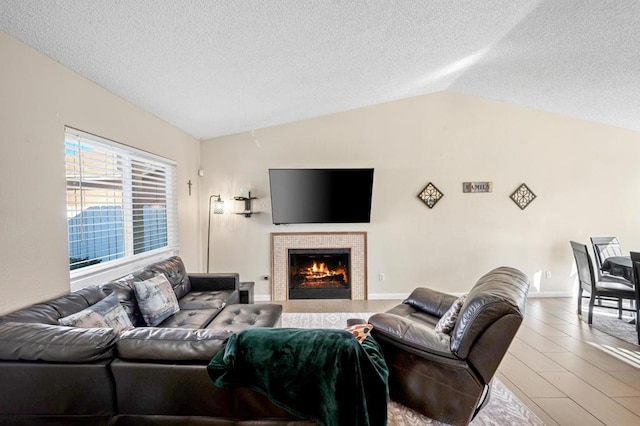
<point>213,68</point>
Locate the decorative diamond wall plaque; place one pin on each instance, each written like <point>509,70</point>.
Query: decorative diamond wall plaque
<point>430,195</point>
<point>523,196</point>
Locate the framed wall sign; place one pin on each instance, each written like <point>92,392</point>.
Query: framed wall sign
<point>477,187</point>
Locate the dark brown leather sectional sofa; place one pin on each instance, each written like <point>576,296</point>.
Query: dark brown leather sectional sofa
<point>51,374</point>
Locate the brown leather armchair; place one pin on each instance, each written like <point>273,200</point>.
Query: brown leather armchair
<point>448,377</point>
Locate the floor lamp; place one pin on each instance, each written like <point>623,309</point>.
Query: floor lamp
<point>218,208</point>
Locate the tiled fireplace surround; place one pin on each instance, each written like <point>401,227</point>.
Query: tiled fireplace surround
<point>282,242</point>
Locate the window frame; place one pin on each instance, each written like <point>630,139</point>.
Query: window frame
<point>115,268</point>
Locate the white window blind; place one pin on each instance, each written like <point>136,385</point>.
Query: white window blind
<point>121,203</point>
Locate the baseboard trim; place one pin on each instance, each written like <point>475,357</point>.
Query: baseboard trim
<point>539,295</point>
<point>379,296</point>
<point>402,296</point>
<point>388,296</point>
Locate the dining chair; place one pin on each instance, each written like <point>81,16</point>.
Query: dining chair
<point>605,290</point>
<point>635,261</point>
<point>604,248</point>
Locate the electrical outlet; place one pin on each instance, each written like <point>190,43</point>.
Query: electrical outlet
<point>381,276</point>
<point>547,274</point>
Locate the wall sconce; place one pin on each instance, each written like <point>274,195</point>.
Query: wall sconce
<point>218,208</point>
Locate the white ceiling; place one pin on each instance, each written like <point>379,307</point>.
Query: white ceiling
<point>214,68</point>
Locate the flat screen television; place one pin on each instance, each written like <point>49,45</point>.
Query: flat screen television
<point>321,195</point>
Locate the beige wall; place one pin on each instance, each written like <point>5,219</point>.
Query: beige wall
<point>38,97</point>
<point>585,176</point>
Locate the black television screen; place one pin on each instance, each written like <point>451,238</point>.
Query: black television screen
<point>321,195</point>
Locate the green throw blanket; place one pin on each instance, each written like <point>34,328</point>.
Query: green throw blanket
<point>319,374</point>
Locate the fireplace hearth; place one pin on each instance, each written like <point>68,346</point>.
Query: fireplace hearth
<point>319,273</point>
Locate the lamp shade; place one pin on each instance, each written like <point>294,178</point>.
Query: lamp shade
<point>218,206</point>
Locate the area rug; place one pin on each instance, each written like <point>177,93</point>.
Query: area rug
<point>606,320</point>
<point>504,408</point>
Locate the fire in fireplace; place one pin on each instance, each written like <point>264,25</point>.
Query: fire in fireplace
<point>319,274</point>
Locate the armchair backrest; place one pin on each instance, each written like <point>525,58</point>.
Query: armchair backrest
<point>490,318</point>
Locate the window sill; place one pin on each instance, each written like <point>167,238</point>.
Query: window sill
<point>100,274</point>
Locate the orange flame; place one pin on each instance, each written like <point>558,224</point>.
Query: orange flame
<point>319,268</point>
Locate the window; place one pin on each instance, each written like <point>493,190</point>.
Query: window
<point>121,203</point>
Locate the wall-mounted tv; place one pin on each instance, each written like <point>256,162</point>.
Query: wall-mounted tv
<point>321,195</point>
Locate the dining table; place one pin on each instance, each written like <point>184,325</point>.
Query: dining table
<point>619,266</point>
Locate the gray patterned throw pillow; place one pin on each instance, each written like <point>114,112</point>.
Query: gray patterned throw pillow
<point>448,320</point>
<point>107,313</point>
<point>156,299</point>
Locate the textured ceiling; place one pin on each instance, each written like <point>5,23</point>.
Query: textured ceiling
<point>214,68</point>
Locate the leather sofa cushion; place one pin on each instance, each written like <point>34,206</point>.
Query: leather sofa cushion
<point>174,270</point>
<point>430,301</point>
<point>41,313</point>
<point>190,318</point>
<point>413,336</point>
<point>238,317</point>
<point>171,344</point>
<point>77,300</point>
<point>42,342</point>
<point>51,311</point>
<point>205,299</point>
<point>408,311</point>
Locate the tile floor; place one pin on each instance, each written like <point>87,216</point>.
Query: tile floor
<point>565,371</point>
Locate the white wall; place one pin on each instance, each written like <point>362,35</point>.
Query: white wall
<point>38,98</point>
<point>586,177</point>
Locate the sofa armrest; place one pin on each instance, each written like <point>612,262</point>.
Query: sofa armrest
<point>215,281</point>
<point>171,344</point>
<point>411,336</point>
<point>55,343</point>
<point>431,301</point>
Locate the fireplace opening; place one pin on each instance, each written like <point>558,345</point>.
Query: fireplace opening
<point>319,273</point>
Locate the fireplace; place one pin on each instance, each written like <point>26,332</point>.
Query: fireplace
<point>283,242</point>
<point>319,273</point>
